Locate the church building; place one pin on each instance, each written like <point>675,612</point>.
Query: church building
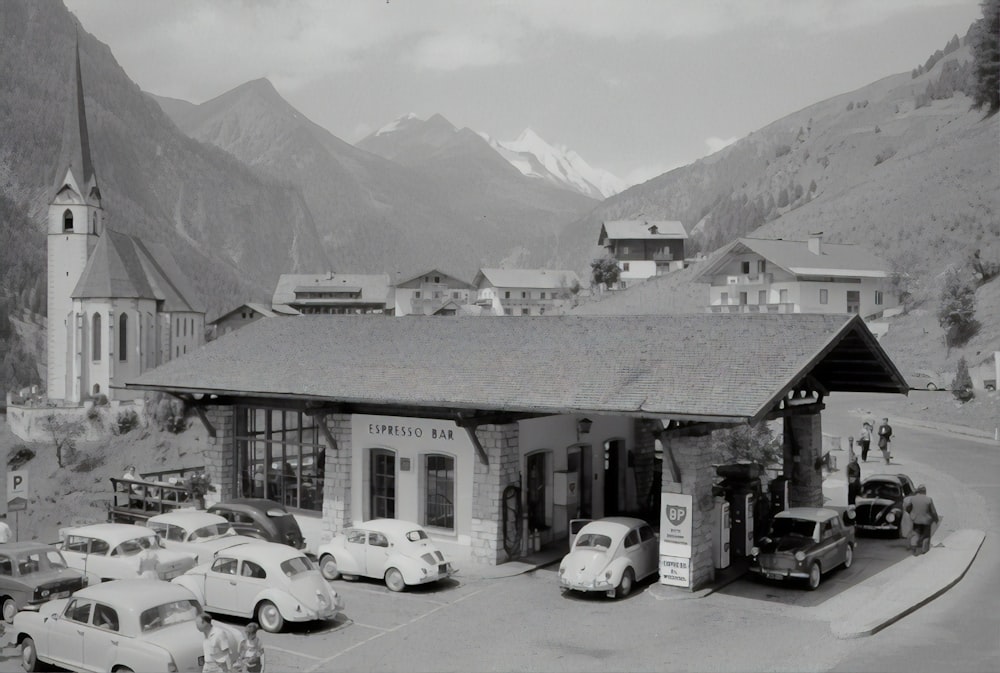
<point>117,306</point>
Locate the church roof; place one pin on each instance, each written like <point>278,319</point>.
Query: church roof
<point>75,159</point>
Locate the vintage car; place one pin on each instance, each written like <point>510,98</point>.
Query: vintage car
<point>195,532</point>
<point>610,555</point>
<point>399,552</point>
<point>122,626</point>
<point>264,580</point>
<point>111,551</point>
<point>878,507</point>
<point>261,519</point>
<point>32,573</point>
<point>803,543</point>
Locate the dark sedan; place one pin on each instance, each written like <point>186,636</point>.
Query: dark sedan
<point>32,573</point>
<point>804,543</point>
<point>262,519</point>
<point>879,505</point>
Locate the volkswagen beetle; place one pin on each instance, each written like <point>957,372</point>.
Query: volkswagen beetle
<point>879,506</point>
<point>610,555</point>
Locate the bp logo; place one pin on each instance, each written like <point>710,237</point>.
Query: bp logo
<point>676,514</point>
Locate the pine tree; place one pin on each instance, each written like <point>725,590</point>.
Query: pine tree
<point>985,39</point>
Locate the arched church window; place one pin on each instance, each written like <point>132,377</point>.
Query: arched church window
<point>95,337</point>
<point>68,220</point>
<point>123,337</point>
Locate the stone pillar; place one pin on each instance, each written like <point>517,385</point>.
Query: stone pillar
<point>337,476</point>
<point>220,453</point>
<point>644,459</point>
<point>501,443</point>
<point>692,451</point>
<point>802,445</point>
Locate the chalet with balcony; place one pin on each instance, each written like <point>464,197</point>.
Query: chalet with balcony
<point>241,316</point>
<point>525,291</point>
<point>333,293</point>
<point>644,248</point>
<point>754,275</point>
<point>432,293</point>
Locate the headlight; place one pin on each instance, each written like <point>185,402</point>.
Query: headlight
<point>45,593</point>
<point>800,556</point>
<point>754,551</point>
<point>607,575</point>
<point>890,517</point>
<point>562,570</point>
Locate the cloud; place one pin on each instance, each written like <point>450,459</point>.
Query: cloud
<point>454,51</point>
<point>715,144</point>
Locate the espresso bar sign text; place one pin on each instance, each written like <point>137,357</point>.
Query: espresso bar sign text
<point>445,434</point>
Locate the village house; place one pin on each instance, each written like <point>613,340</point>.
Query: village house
<point>643,248</point>
<point>525,291</point>
<point>432,292</point>
<point>241,316</point>
<point>333,293</point>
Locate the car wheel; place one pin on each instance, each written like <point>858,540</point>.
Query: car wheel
<point>269,617</point>
<point>394,580</point>
<point>29,655</point>
<point>122,669</point>
<point>815,576</point>
<point>931,386</point>
<point>9,609</point>
<point>328,566</point>
<point>625,585</point>
<point>848,556</point>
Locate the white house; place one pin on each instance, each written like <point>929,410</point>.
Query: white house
<point>644,248</point>
<point>432,292</point>
<point>525,291</point>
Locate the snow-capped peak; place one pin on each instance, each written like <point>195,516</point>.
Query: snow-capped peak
<point>395,124</point>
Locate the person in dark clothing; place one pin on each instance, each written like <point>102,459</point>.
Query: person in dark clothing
<point>924,516</point>
<point>884,437</point>
<point>853,479</point>
<point>865,440</point>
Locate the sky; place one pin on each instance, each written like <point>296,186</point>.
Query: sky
<point>636,87</point>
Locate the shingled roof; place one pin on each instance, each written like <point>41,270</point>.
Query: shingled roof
<point>698,367</point>
<point>835,259</point>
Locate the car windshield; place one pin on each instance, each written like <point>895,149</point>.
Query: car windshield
<point>56,559</point>
<point>593,540</point>
<point>211,531</point>
<point>136,545</point>
<point>175,612</point>
<point>880,489</point>
<point>30,563</point>
<point>416,535</point>
<point>296,566</point>
<point>782,527</point>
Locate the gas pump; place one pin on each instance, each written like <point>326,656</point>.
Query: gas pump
<point>740,486</point>
<point>720,533</point>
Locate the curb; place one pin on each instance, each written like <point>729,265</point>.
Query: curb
<point>920,583</point>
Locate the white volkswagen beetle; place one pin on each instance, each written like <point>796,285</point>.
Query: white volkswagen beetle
<point>399,552</point>
<point>195,532</point>
<point>271,582</point>
<point>111,551</point>
<point>610,555</point>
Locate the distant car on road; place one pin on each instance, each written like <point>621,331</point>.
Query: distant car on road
<point>925,379</point>
<point>195,532</point>
<point>109,551</point>
<point>269,582</point>
<point>121,626</point>
<point>879,505</point>
<point>399,552</point>
<point>803,543</point>
<point>261,519</point>
<point>32,573</point>
<point>610,555</point>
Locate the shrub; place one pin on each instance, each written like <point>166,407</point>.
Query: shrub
<point>957,308</point>
<point>961,387</point>
<point>168,413</point>
<point>89,463</point>
<point>885,155</point>
<point>126,421</point>
<point>781,150</point>
<point>19,456</point>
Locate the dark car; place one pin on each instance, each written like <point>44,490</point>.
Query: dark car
<point>263,519</point>
<point>804,543</point>
<point>32,573</point>
<point>879,505</point>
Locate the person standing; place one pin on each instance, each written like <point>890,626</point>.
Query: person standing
<point>252,651</point>
<point>219,652</point>
<point>148,561</point>
<point>924,516</point>
<point>884,437</point>
<point>853,479</point>
<point>865,440</point>
<point>5,532</point>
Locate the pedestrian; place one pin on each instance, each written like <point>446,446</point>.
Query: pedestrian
<point>884,437</point>
<point>220,653</point>
<point>924,516</point>
<point>865,440</point>
<point>148,561</point>
<point>5,532</point>
<point>252,651</point>
<point>853,479</point>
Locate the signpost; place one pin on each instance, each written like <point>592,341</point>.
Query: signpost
<point>17,496</point>
<point>675,539</point>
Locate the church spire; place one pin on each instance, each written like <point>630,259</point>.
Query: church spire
<point>76,144</point>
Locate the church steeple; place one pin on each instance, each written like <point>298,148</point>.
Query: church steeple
<point>76,165</point>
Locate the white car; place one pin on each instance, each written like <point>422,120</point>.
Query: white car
<point>122,626</point>
<point>271,582</point>
<point>399,552</point>
<point>111,551</point>
<point>610,555</point>
<point>195,532</point>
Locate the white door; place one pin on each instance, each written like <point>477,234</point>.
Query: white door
<point>376,554</point>
<point>221,587</point>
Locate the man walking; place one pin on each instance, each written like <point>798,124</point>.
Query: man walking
<point>220,652</point>
<point>853,479</point>
<point>884,437</point>
<point>924,516</point>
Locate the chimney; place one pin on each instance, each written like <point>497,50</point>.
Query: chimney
<point>815,243</point>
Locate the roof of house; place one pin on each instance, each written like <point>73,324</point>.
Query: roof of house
<point>527,278</point>
<point>682,366</point>
<point>433,272</point>
<point>641,229</point>
<point>835,259</point>
<point>373,288</point>
<point>263,309</point>
<point>122,266</point>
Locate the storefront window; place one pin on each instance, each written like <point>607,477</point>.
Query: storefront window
<point>439,508</point>
<point>383,484</point>
<point>280,455</point>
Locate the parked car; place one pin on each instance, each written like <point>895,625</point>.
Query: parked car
<point>108,551</point>
<point>924,379</point>
<point>264,580</point>
<point>32,573</point>
<point>125,625</point>
<point>399,552</point>
<point>195,532</point>
<point>879,505</point>
<point>610,555</point>
<point>804,543</point>
<point>261,519</point>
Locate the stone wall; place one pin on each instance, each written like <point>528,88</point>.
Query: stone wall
<point>337,477</point>
<point>803,454</point>
<point>501,443</point>
<point>220,453</point>
<point>27,418</point>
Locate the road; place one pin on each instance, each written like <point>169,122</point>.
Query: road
<point>524,623</point>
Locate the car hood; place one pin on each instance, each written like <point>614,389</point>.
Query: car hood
<point>787,544</point>
<point>62,575</point>
<point>867,508</point>
<point>183,641</point>
<point>219,543</point>
<point>585,563</point>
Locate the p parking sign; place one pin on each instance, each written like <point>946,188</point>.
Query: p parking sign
<point>17,490</point>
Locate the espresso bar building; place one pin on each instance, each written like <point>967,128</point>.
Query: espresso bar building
<point>480,429</point>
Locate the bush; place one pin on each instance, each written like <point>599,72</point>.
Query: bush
<point>126,421</point>
<point>89,464</point>
<point>781,150</point>
<point>957,308</point>
<point>168,413</point>
<point>884,155</point>
<point>961,387</point>
<point>19,456</point>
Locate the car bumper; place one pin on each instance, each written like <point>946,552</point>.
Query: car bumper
<point>441,572</point>
<point>779,573</point>
<point>876,526</point>
<point>592,585</point>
